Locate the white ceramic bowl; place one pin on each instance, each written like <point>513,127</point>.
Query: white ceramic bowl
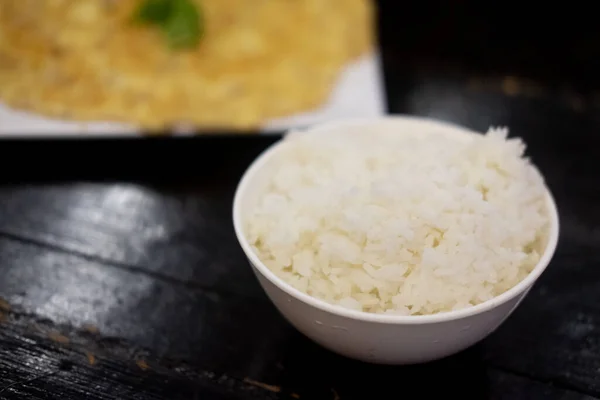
<point>377,338</point>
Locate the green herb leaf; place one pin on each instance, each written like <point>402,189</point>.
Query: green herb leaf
<point>153,11</point>
<point>180,20</point>
<point>185,25</point>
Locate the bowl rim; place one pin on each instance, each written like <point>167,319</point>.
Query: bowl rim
<point>322,305</point>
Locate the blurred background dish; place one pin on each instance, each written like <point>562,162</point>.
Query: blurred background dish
<point>84,66</point>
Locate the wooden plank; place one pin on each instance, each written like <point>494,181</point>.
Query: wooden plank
<point>555,334</point>
<point>35,367</point>
<point>185,236</point>
<point>227,333</point>
<point>188,333</point>
<point>506,386</point>
<point>35,364</point>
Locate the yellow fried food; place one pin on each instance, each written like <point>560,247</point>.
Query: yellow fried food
<point>83,60</point>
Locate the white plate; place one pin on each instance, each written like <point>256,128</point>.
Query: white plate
<point>358,93</point>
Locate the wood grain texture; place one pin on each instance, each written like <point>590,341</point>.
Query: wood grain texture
<point>186,237</point>
<point>40,359</point>
<point>193,324</point>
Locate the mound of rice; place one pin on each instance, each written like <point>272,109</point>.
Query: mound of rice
<point>406,224</point>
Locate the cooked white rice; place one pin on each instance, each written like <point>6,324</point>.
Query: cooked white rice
<point>401,223</point>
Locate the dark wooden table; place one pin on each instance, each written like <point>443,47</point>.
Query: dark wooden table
<point>121,277</point>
